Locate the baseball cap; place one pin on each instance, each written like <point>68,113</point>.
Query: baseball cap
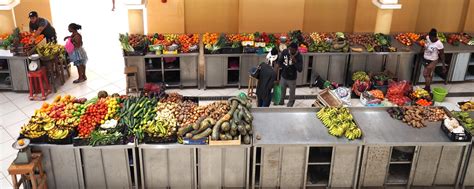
<point>32,14</point>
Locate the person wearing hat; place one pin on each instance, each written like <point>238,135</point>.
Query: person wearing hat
<point>290,62</point>
<point>266,78</point>
<point>40,26</point>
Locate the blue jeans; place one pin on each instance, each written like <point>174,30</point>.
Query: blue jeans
<point>264,103</point>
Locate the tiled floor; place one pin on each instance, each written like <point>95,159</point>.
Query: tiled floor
<point>15,108</point>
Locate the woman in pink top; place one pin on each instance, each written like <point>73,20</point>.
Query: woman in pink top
<point>433,54</point>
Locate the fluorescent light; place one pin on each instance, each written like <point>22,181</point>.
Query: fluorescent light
<point>387,6</point>
<point>8,4</point>
<point>388,1</point>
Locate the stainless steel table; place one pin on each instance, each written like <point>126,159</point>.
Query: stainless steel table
<point>431,158</point>
<point>295,151</point>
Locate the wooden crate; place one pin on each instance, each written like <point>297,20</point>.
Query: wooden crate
<point>224,142</point>
<point>328,98</point>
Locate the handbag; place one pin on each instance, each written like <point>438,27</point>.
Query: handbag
<point>276,94</point>
<point>69,46</point>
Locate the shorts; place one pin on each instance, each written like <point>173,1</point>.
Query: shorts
<point>426,62</point>
<point>78,56</point>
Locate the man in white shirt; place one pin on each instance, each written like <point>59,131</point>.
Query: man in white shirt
<point>433,53</point>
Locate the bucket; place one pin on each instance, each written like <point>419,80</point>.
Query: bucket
<point>439,93</point>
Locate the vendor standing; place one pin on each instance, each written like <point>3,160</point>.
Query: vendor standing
<point>433,53</point>
<point>40,26</point>
<point>290,61</point>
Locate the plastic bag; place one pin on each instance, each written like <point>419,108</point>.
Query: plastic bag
<point>343,93</point>
<point>69,46</point>
<point>276,94</point>
<point>397,92</point>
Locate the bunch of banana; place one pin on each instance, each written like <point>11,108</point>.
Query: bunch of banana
<point>40,117</point>
<point>57,133</point>
<point>32,133</point>
<point>339,122</point>
<point>353,133</point>
<point>171,37</point>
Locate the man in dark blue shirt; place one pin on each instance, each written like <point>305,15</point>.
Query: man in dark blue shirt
<point>290,62</point>
<point>40,26</point>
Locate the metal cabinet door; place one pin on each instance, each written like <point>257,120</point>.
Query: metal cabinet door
<point>189,71</point>
<point>18,72</point>
<point>460,66</point>
<point>337,68</point>
<point>214,75</point>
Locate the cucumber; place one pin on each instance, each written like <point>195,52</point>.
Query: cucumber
<point>243,132</point>
<point>241,115</point>
<point>248,127</point>
<point>240,128</point>
<point>233,126</point>
<point>184,130</point>
<point>249,105</point>
<point>228,136</point>
<point>198,122</point>
<point>205,133</point>
<point>225,126</point>
<point>233,132</point>
<point>222,137</point>
<point>203,126</point>
<point>246,139</point>
<point>235,116</point>
<point>233,107</point>
<point>215,130</point>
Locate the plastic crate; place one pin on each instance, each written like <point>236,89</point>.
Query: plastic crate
<point>230,50</point>
<point>77,141</point>
<point>159,140</point>
<point>457,137</point>
<point>207,51</point>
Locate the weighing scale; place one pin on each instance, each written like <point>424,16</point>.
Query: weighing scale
<point>24,151</point>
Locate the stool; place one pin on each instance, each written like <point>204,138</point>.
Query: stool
<point>36,80</point>
<point>27,172</point>
<point>131,79</point>
<point>250,92</point>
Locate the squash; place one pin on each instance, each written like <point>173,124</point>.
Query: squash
<point>205,133</point>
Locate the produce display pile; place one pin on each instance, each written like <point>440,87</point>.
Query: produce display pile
<point>417,116</point>
<point>371,42</point>
<point>466,106</point>
<point>339,122</point>
<point>466,119</point>
<point>319,42</point>
<point>20,42</point>
<point>395,93</point>
<point>115,119</point>
<point>141,44</point>
<point>235,124</point>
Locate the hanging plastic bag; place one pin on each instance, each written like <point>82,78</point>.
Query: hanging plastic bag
<point>69,46</point>
<point>276,94</point>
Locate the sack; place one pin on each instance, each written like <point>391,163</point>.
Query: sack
<point>69,46</point>
<point>276,94</point>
